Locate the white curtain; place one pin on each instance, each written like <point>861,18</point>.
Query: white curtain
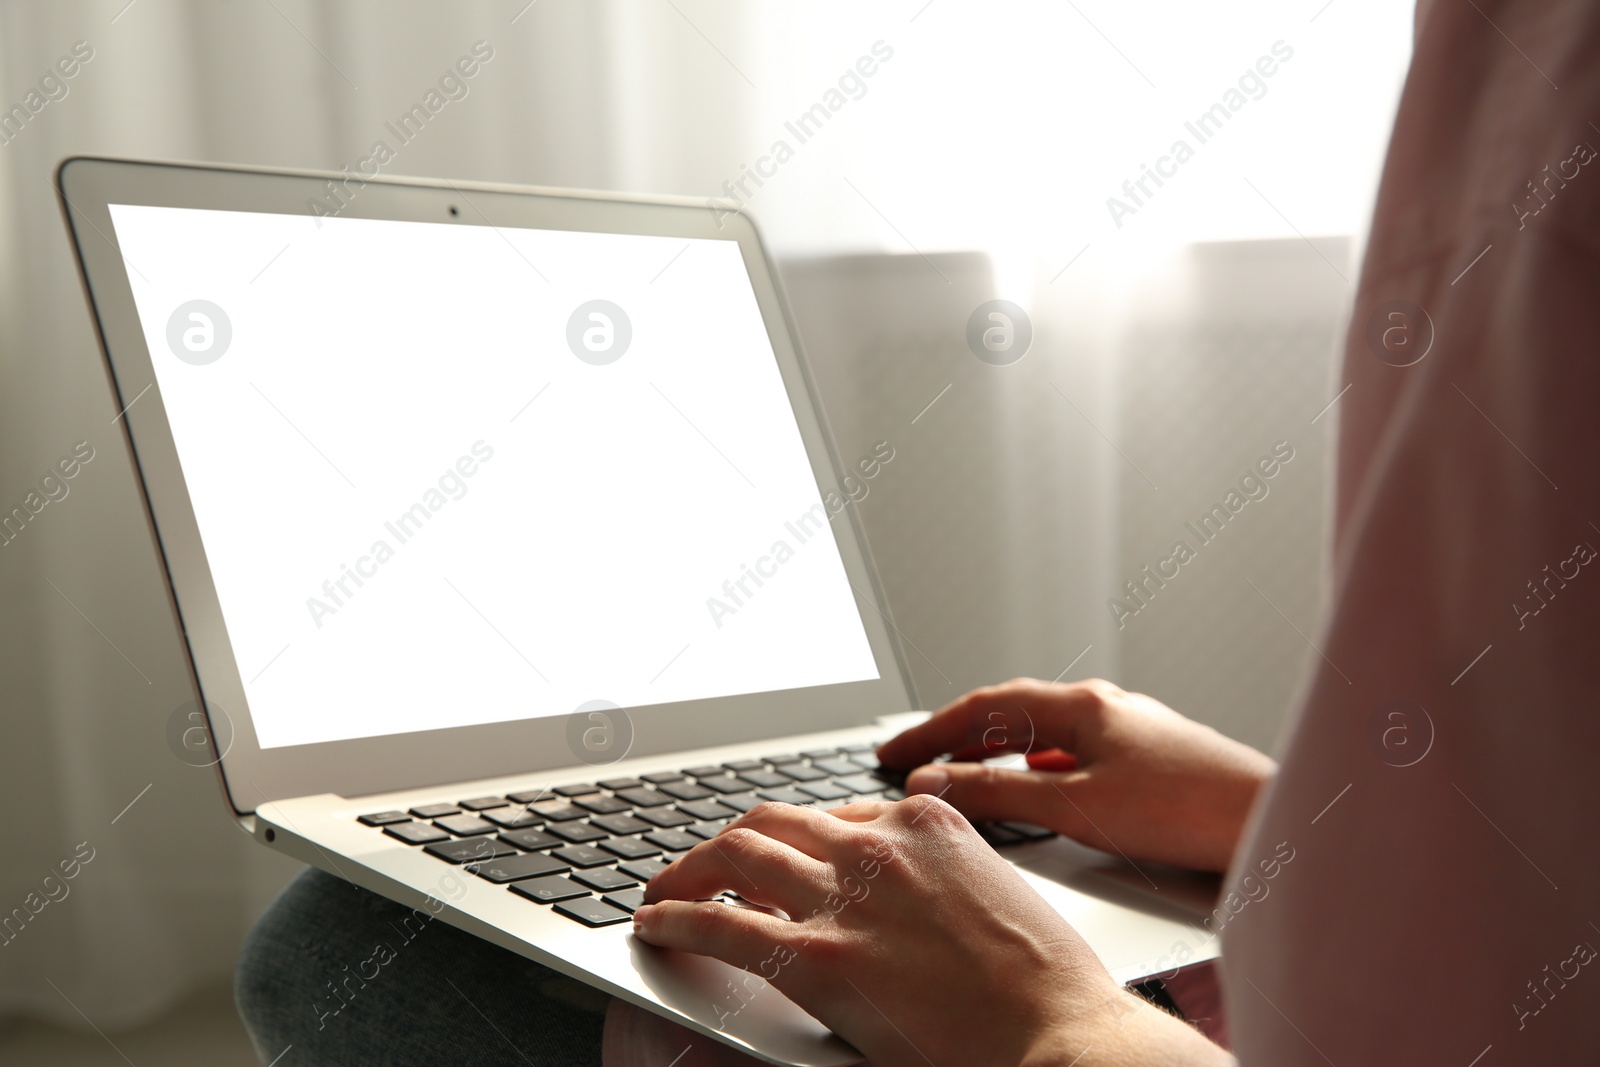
<point>944,126</point>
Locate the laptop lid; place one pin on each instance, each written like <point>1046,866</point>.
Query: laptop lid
<point>452,481</point>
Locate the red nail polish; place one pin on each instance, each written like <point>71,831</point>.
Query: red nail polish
<point>1052,760</point>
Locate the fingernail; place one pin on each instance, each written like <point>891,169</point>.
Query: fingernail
<point>928,780</point>
<point>639,915</point>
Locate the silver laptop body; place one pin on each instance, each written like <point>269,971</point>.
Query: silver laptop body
<point>506,534</point>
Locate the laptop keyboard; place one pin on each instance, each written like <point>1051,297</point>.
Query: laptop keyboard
<point>586,850</point>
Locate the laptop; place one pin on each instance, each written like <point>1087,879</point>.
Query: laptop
<point>512,556</point>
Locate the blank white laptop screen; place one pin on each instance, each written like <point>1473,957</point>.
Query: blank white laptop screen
<point>449,474</point>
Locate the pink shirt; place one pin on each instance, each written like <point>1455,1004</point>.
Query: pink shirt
<point>1440,787</point>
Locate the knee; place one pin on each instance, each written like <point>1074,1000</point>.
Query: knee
<point>282,985</point>
<point>346,976</point>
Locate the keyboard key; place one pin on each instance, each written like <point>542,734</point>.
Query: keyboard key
<point>549,890</point>
<point>868,760</point>
<point>686,790</point>
<point>894,793</point>
<point>592,912</point>
<point>741,802</point>
<point>766,779</point>
<point>786,796</point>
<point>644,870</point>
<point>704,770</point>
<point>575,790</point>
<point>383,818</point>
<point>484,803</point>
<point>820,753</point>
<point>415,833</point>
<point>470,850</point>
<point>836,766</point>
<point>601,804</point>
<point>583,856</point>
<point>433,811</point>
<point>621,824</point>
<point>465,825</point>
<point>522,865</point>
<point>666,818</point>
<point>661,776</point>
<point>530,840</point>
<point>1029,830</point>
<point>577,832</point>
<point>604,879</point>
<point>860,783</point>
<point>645,798</point>
<point>824,790</point>
<point>626,899</point>
<point>630,848</point>
<point>739,766</point>
<point>529,796</point>
<point>726,784</point>
<point>705,830</point>
<point>618,784</point>
<point>557,810</point>
<point>853,749</point>
<point>513,818</point>
<point>706,809</point>
<point>673,840</point>
<point>782,757</point>
<point>802,772</point>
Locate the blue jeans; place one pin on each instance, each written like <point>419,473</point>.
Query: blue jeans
<point>348,977</point>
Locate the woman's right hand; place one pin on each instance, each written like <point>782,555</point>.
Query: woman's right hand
<point>1148,783</point>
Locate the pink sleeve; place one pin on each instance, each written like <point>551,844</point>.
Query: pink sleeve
<point>1438,794</point>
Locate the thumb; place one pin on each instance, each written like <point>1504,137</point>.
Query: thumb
<point>987,794</point>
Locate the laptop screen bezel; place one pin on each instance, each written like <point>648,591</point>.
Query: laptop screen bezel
<point>252,775</point>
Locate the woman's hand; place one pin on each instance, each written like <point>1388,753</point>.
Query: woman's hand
<point>908,936</point>
<point>1148,782</point>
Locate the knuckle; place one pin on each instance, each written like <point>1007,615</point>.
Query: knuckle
<point>968,702</point>
<point>706,920</point>
<point>1098,695</point>
<point>767,809</point>
<point>815,938</point>
<point>931,812</point>
<point>740,841</point>
<point>1102,689</point>
<point>828,950</point>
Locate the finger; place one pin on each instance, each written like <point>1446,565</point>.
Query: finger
<point>1022,715</point>
<point>861,810</point>
<point>804,829</point>
<point>726,932</point>
<point>755,866</point>
<point>984,793</point>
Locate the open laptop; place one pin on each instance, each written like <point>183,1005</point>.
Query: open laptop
<point>512,556</point>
